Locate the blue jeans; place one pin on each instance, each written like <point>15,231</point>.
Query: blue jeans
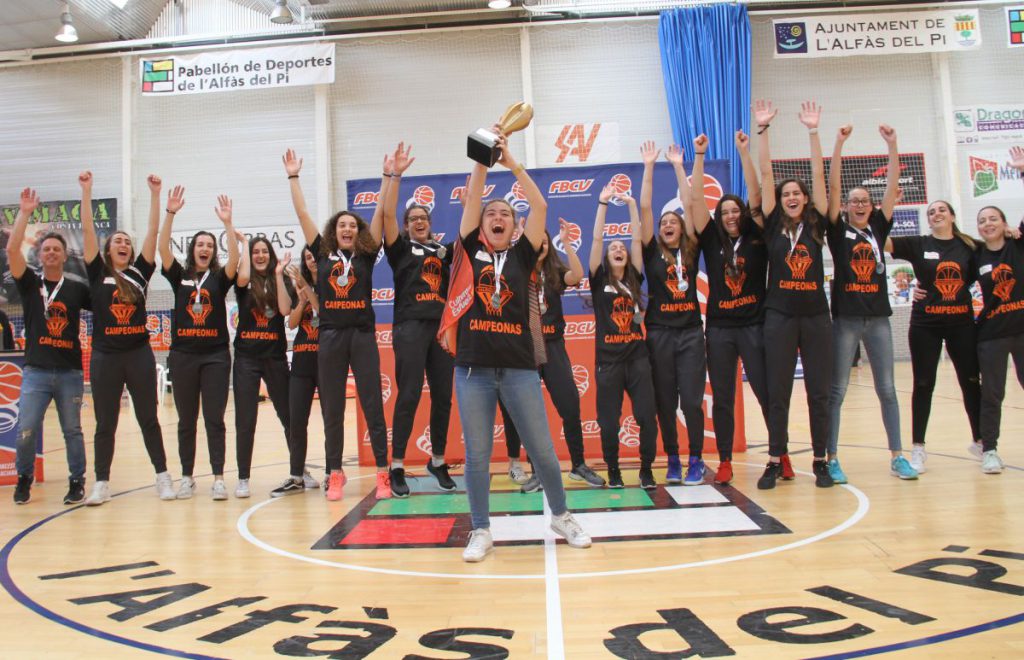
<point>874,331</point>
<point>38,387</point>
<point>478,390</point>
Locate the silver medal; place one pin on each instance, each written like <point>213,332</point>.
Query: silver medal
<point>684,284</point>
<point>268,312</point>
<point>441,251</point>
<point>543,308</point>
<point>496,299</point>
<point>638,318</point>
<point>314,322</point>
<point>197,308</point>
<point>879,268</point>
<point>343,280</point>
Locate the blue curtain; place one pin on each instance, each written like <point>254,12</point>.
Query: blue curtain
<point>705,61</point>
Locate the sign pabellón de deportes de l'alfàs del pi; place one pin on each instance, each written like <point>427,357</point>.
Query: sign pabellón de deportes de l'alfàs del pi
<point>232,70</point>
<point>877,33</point>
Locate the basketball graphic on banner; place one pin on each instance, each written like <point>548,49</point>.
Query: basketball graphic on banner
<point>10,383</point>
<point>422,196</point>
<point>622,185</point>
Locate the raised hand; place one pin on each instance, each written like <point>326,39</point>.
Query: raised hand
<point>742,141</point>
<point>505,156</point>
<point>176,199</point>
<point>223,209</point>
<point>241,238</point>
<point>283,262</point>
<point>389,164</point>
<point>563,231</point>
<point>764,113</point>
<point>888,133</point>
<point>401,158</point>
<point>465,191</point>
<point>674,155</point>
<point>844,133</point>
<point>1017,158</point>
<point>154,183</point>
<point>29,201</point>
<point>85,180</point>
<point>810,114</point>
<point>700,144</point>
<point>606,193</point>
<point>292,163</point>
<point>649,153</point>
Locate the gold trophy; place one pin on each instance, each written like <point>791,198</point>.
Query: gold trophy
<point>481,145</point>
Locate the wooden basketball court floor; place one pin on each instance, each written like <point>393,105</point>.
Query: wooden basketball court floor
<point>928,568</point>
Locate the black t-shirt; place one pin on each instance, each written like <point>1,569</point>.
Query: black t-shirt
<point>421,278</point>
<point>260,332</point>
<point>796,273</point>
<point>552,319</point>
<point>735,300</point>
<point>858,288</point>
<point>945,269</point>
<point>668,304</point>
<point>305,345</point>
<point>199,322</point>
<point>119,325</point>
<point>345,300</point>
<point>497,335</point>
<point>618,335</point>
<point>1001,276</point>
<point>51,337</point>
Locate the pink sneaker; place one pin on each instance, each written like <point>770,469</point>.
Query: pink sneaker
<point>383,486</point>
<point>335,484</point>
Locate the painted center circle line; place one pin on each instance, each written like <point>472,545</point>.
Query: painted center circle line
<point>863,505</point>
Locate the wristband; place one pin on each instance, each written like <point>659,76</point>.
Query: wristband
<point>603,203</point>
<point>763,128</point>
<point>293,176</point>
<point>170,212</point>
<point>517,169</point>
<point>812,131</point>
<point>699,153</point>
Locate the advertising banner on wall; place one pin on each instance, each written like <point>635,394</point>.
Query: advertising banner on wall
<point>865,172</point>
<point>231,70</point>
<point>576,144</point>
<point>11,365</point>
<point>989,177</point>
<point>877,33</point>
<point>989,123</point>
<point>1015,26</point>
<point>572,194</point>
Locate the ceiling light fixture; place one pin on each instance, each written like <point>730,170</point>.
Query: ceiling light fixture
<point>281,14</point>
<point>67,33</point>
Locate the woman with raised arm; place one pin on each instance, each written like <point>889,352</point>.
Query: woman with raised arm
<point>345,254</point>
<point>499,347</point>
<point>199,360</point>
<point>860,299</point>
<point>622,360</point>
<point>260,347</point>
<point>796,317</point>
<point>675,338</point>
<point>1001,322</point>
<point>421,266</point>
<point>303,379</point>
<point>945,265</point>
<point>736,259</point>
<point>121,354</point>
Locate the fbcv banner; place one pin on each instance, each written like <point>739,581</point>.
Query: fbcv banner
<point>11,365</point>
<point>572,194</point>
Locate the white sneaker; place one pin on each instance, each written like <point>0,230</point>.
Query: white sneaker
<point>517,474</point>
<point>242,489</point>
<point>975,449</point>
<point>219,491</point>
<point>565,525</point>
<point>101,493</point>
<point>308,481</point>
<point>918,457</point>
<point>990,464</point>
<point>165,486</point>
<point>480,545</point>
<point>187,488</point>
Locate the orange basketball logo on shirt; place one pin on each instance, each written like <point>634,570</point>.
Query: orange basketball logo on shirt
<point>736,281</point>
<point>307,325</point>
<point>485,289</point>
<point>799,261</point>
<point>261,319</point>
<point>672,281</point>
<point>56,319</point>
<point>622,314</point>
<point>341,290</point>
<point>431,273</point>
<point>948,280</point>
<point>862,262</point>
<point>122,311</point>
<point>1004,280</point>
<point>199,318</point>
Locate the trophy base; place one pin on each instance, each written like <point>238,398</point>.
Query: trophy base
<point>481,146</point>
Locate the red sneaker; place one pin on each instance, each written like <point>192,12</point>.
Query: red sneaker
<point>724,474</point>
<point>787,469</point>
<point>383,485</point>
<point>335,484</point>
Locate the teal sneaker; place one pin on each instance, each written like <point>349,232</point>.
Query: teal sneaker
<point>900,467</point>
<point>836,472</point>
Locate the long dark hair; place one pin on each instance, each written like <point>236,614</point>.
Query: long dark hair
<point>125,291</point>
<point>631,279</point>
<point>417,207</point>
<point>307,274</point>
<point>364,243</point>
<point>808,216</point>
<point>956,228</point>
<point>748,230</point>
<point>554,270</point>
<point>263,286</point>
<point>190,258</point>
<point>689,248</point>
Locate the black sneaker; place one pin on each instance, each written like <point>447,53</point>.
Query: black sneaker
<point>615,478</point>
<point>440,472</point>
<point>772,472</point>
<point>398,486</point>
<point>647,481</point>
<point>23,491</point>
<point>532,485</point>
<point>822,479</point>
<point>76,491</point>
<point>582,472</point>
<point>291,486</point>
